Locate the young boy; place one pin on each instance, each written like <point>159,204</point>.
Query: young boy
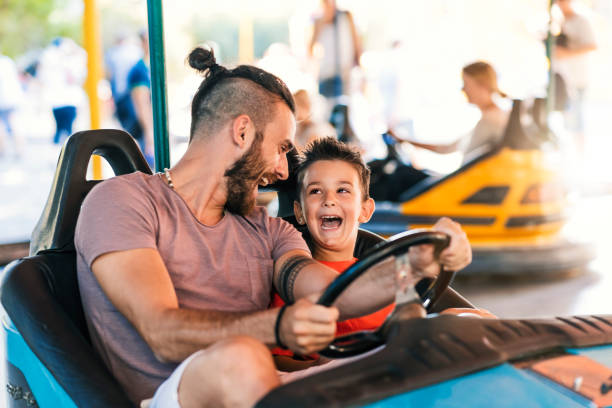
<point>333,193</point>
<point>333,200</point>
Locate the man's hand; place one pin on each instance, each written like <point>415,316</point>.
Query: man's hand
<point>458,254</point>
<point>306,327</point>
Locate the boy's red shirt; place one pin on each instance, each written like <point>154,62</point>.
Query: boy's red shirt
<point>368,322</point>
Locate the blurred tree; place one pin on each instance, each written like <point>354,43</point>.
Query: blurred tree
<point>221,29</point>
<point>268,31</point>
<point>31,24</point>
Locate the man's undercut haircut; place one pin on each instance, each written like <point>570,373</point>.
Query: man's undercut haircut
<point>330,148</point>
<point>285,279</point>
<point>225,94</point>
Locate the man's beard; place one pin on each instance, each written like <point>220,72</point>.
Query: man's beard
<point>243,177</point>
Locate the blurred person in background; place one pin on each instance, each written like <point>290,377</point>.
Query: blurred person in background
<point>11,96</point>
<point>119,60</point>
<point>335,32</point>
<point>62,71</point>
<point>309,127</point>
<point>139,122</point>
<point>480,87</point>
<point>571,61</point>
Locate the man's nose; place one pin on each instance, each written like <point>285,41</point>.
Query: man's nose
<point>282,169</point>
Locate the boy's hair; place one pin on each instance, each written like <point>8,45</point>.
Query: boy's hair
<point>330,148</point>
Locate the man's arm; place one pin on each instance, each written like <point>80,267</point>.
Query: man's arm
<point>564,52</point>
<point>355,38</point>
<point>297,275</point>
<point>441,148</point>
<point>315,35</point>
<point>138,284</point>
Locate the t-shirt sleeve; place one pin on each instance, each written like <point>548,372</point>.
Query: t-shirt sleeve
<point>115,216</point>
<point>285,238</point>
<point>139,76</point>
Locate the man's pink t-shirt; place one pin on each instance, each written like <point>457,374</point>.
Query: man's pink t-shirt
<point>225,267</point>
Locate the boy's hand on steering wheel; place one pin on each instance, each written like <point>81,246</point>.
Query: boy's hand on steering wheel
<point>458,254</point>
<point>306,327</point>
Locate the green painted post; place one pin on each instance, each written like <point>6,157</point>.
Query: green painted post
<point>158,84</point>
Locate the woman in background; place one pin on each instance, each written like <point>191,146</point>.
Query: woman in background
<point>480,87</point>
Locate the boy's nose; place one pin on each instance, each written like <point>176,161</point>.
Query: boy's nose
<point>329,201</point>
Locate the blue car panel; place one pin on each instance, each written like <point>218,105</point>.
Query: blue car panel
<point>501,386</point>
<point>46,389</point>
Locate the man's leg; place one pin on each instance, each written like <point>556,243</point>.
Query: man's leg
<point>232,373</point>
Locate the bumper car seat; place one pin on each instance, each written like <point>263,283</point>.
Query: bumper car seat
<point>51,360</point>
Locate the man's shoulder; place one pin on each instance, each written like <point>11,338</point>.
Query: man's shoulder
<point>120,186</point>
<point>262,220</point>
<point>259,215</point>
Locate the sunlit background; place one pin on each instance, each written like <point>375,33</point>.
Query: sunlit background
<point>410,70</point>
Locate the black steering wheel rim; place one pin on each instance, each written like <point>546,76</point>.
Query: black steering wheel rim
<point>361,342</point>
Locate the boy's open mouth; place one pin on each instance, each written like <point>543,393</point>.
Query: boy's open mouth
<point>330,222</point>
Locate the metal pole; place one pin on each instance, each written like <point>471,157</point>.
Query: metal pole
<point>91,36</point>
<point>158,84</point>
<point>550,91</point>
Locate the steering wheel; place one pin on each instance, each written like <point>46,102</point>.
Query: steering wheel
<point>363,341</point>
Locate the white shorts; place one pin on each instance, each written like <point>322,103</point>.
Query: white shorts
<point>166,395</point>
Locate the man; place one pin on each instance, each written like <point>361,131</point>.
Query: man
<point>179,266</point>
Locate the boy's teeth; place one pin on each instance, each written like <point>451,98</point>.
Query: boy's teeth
<point>330,222</point>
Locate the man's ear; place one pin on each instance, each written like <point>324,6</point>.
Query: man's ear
<point>367,209</point>
<point>242,126</point>
<point>297,211</point>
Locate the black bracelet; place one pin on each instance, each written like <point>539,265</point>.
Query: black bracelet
<point>279,316</point>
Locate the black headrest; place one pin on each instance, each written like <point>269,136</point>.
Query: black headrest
<point>515,136</point>
<point>55,228</point>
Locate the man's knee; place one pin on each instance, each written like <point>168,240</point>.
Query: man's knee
<point>244,354</point>
<point>241,345</point>
<point>240,363</point>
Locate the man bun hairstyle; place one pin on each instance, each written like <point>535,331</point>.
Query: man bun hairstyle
<point>330,148</point>
<point>226,93</point>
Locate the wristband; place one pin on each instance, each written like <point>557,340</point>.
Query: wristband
<point>279,343</point>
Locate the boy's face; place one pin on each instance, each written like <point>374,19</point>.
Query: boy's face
<point>332,206</point>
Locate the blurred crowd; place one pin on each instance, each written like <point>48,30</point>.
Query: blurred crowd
<point>334,94</point>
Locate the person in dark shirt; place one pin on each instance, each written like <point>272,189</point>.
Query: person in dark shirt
<point>134,109</point>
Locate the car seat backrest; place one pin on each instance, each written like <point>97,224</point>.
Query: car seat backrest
<point>515,137</point>
<point>55,228</point>
<point>40,293</point>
